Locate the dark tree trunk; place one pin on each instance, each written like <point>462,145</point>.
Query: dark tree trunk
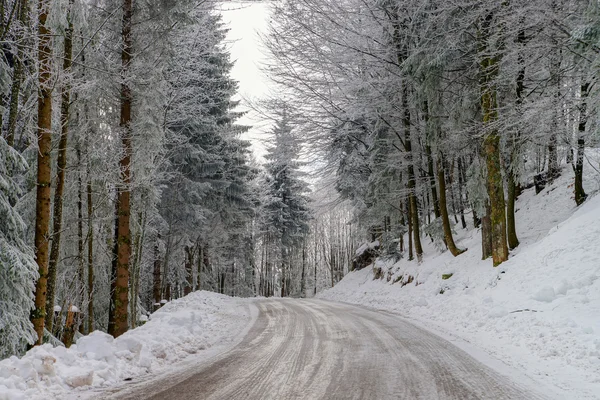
<point>156,283</point>
<point>118,318</point>
<point>580,194</point>
<point>61,169</point>
<point>513,241</point>
<point>17,73</point>
<point>410,237</point>
<point>449,239</point>
<point>44,172</point>
<point>90,289</point>
<point>189,261</point>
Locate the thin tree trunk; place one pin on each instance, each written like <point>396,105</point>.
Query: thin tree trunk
<point>412,198</point>
<point>199,266</point>
<point>486,234</point>
<point>513,240</point>
<point>189,260</point>
<point>316,257</point>
<point>461,203</point>
<point>135,276</point>
<point>157,285</point>
<point>430,168</point>
<point>90,212</point>
<point>44,172</point>
<point>580,194</point>
<point>303,277</point>
<point>449,239</point>
<point>61,168</point>
<point>410,237</point>
<point>118,323</point>
<point>555,61</point>
<point>80,245</point>
<point>17,74</point>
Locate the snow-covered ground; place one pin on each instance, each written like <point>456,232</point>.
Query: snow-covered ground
<point>539,312</point>
<point>174,333</point>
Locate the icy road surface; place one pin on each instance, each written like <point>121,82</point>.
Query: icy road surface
<point>312,349</point>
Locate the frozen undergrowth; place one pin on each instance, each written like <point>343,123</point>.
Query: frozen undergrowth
<point>175,332</point>
<point>538,312</point>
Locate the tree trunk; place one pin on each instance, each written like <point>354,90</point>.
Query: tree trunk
<point>412,198</point>
<point>486,234</point>
<point>316,258</point>
<point>80,244</point>
<point>90,211</point>
<point>461,203</point>
<point>61,168</point>
<point>189,261</point>
<point>69,329</point>
<point>430,168</point>
<point>282,279</point>
<point>513,241</point>
<point>580,194</point>
<point>44,172</point>
<point>118,323</point>
<point>156,287</point>
<point>495,184</point>
<point>303,277</point>
<point>17,74</point>
<point>449,239</point>
<point>135,276</point>
<point>199,266</point>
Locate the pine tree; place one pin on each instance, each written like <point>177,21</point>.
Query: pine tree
<point>287,210</point>
<point>18,269</point>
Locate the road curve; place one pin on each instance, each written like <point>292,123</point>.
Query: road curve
<point>311,349</point>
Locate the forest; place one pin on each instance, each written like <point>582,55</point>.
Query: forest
<point>126,181</point>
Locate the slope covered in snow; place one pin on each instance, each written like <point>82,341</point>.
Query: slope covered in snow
<point>538,312</point>
<point>174,333</point>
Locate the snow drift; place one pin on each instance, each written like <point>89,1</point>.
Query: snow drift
<point>179,329</point>
<point>538,312</point>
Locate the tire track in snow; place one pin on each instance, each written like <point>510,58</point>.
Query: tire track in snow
<point>312,349</point>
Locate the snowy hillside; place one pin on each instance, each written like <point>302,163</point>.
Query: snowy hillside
<point>538,312</point>
<point>174,333</point>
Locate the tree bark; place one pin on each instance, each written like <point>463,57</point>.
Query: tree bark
<point>513,240</point>
<point>118,318</point>
<point>61,167</point>
<point>15,90</point>
<point>90,266</point>
<point>80,245</point>
<point>412,198</point>
<point>189,262</point>
<point>460,193</point>
<point>495,184</point>
<point>486,234</point>
<point>444,210</point>
<point>580,194</point>
<point>69,329</point>
<point>303,277</point>
<point>44,172</point>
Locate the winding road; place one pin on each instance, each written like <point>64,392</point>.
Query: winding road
<point>312,349</point>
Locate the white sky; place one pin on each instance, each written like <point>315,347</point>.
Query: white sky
<point>245,22</point>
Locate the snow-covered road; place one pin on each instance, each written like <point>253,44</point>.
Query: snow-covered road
<point>313,349</point>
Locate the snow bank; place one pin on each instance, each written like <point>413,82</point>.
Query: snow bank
<point>538,312</point>
<point>179,329</point>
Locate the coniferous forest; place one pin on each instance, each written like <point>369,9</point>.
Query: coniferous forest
<point>126,181</point>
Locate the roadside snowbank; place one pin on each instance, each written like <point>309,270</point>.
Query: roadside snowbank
<point>179,329</point>
<point>538,312</point>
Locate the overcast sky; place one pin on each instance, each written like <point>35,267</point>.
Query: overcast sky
<point>245,20</point>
